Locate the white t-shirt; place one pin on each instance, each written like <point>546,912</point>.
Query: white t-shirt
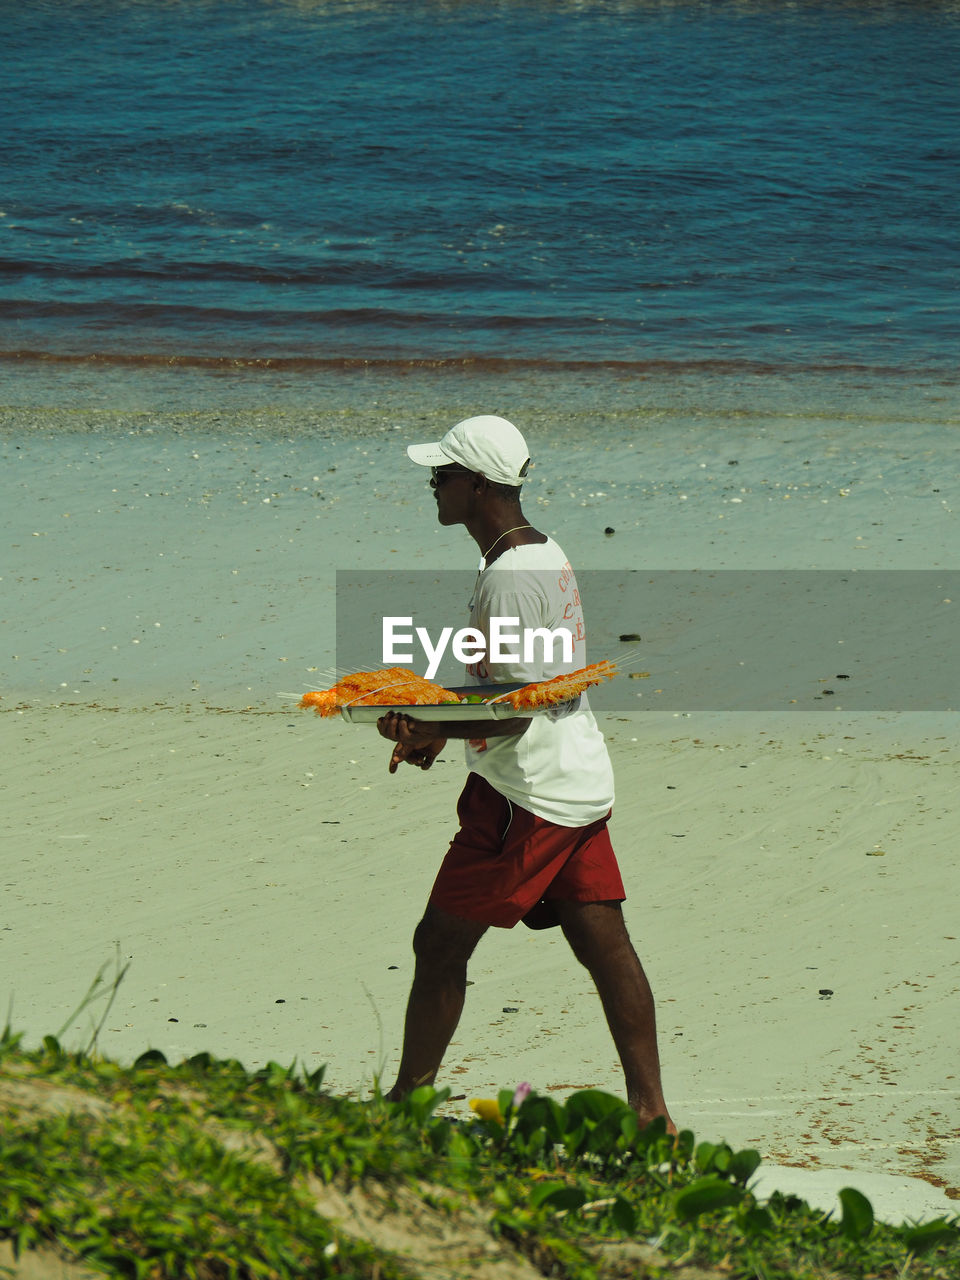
<point>559,769</point>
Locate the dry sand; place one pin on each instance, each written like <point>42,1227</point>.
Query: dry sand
<point>165,583</point>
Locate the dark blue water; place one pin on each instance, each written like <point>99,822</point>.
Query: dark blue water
<point>747,185</point>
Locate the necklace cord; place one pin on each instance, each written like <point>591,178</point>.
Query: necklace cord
<point>516,528</point>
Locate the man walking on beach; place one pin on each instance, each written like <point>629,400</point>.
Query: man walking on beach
<point>533,843</point>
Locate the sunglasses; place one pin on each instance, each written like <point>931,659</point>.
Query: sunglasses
<point>439,475</point>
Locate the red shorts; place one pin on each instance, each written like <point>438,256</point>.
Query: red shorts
<point>505,862</point>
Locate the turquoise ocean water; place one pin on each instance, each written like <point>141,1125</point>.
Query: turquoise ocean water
<point>263,194</point>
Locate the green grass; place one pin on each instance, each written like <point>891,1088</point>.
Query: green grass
<point>205,1170</point>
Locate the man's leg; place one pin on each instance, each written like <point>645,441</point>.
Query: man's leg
<point>599,939</point>
<point>442,945</point>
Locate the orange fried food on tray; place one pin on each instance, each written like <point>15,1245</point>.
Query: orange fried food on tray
<point>390,687</point>
<point>546,693</point>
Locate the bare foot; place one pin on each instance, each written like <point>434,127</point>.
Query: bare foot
<point>647,1116</point>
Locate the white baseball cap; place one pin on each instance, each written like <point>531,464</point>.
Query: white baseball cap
<point>490,445</point>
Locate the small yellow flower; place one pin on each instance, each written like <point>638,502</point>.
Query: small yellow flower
<point>487,1109</point>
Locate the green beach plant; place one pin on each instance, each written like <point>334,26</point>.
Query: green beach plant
<point>204,1170</point>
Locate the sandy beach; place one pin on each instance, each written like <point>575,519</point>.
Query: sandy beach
<point>168,593</point>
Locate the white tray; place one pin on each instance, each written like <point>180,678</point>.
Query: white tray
<point>450,710</point>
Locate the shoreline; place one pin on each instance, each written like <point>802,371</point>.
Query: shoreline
<point>374,396</point>
<point>197,565</point>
